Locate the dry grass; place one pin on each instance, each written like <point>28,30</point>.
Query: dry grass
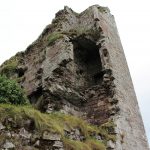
<point>56,122</point>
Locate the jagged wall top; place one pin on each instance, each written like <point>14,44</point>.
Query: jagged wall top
<point>66,19</point>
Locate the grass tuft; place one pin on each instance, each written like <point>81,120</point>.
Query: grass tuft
<point>9,67</point>
<point>56,123</point>
<point>53,37</point>
<point>95,145</point>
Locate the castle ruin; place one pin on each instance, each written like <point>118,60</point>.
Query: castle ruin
<point>77,66</point>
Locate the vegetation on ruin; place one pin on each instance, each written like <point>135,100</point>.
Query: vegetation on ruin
<point>82,31</point>
<point>107,130</point>
<point>56,122</point>
<point>89,144</point>
<point>78,32</point>
<point>102,9</point>
<point>11,92</point>
<point>9,67</point>
<point>53,37</point>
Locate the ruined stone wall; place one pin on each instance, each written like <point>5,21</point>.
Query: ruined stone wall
<point>77,66</point>
<point>130,129</point>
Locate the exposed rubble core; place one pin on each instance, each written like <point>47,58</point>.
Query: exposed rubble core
<point>77,67</point>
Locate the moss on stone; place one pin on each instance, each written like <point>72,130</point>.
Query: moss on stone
<point>53,37</point>
<point>8,68</point>
<point>102,9</point>
<point>78,32</point>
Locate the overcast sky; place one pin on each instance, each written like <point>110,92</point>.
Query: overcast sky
<point>22,21</point>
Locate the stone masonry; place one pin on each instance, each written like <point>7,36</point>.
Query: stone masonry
<point>77,66</point>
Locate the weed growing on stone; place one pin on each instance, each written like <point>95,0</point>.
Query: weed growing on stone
<point>53,37</point>
<point>56,122</point>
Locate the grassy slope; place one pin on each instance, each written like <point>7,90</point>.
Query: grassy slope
<point>57,122</point>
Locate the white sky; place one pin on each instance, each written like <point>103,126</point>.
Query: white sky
<point>22,21</point>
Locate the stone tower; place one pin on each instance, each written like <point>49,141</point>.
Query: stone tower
<point>77,66</point>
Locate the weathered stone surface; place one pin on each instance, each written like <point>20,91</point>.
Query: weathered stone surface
<point>8,145</point>
<point>58,144</point>
<point>1,126</point>
<point>98,137</point>
<point>37,143</point>
<point>51,136</point>
<point>110,144</point>
<point>25,134</point>
<point>77,66</point>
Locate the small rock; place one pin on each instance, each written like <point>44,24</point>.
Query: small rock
<point>35,137</point>
<point>113,100</point>
<point>1,126</point>
<point>15,135</point>
<point>72,137</point>
<point>8,134</point>
<point>37,143</point>
<point>92,92</point>
<point>77,132</point>
<point>69,90</point>
<point>8,145</point>
<point>25,142</point>
<point>106,75</point>
<point>29,148</point>
<point>59,87</point>
<point>106,79</point>
<point>58,144</point>
<point>24,133</point>
<point>110,144</point>
<point>72,133</point>
<point>10,119</point>
<point>29,124</point>
<point>50,108</point>
<point>66,129</point>
<point>82,138</point>
<point>113,110</point>
<point>51,136</point>
<point>98,137</point>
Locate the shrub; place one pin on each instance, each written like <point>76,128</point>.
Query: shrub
<point>11,92</point>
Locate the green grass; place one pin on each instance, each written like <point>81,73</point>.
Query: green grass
<point>9,67</point>
<point>89,144</point>
<point>56,123</point>
<point>75,145</point>
<point>106,129</point>
<point>53,37</point>
<point>95,145</point>
<point>53,122</point>
<point>102,9</point>
<point>78,32</point>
